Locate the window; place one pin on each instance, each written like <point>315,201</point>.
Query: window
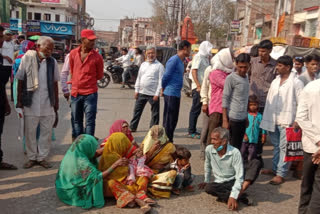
<point>47,17</point>
<point>57,18</point>
<point>29,16</point>
<point>52,8</point>
<point>37,16</point>
<point>17,14</point>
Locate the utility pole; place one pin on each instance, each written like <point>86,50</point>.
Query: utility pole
<point>208,36</point>
<point>235,18</point>
<point>179,22</point>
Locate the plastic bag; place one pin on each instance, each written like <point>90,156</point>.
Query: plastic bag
<point>294,149</point>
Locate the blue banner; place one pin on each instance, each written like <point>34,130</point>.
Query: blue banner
<point>57,28</point>
<point>14,24</point>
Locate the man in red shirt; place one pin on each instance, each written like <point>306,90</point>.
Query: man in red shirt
<point>86,67</point>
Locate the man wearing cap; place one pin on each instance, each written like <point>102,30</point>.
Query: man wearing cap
<point>7,52</point>
<point>86,67</point>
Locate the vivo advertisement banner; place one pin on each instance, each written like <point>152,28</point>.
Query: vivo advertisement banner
<point>56,28</point>
<point>50,1</point>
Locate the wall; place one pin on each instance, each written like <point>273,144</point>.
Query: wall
<point>301,4</point>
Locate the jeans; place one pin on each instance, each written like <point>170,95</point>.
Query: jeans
<point>279,140</point>
<point>84,104</point>
<point>310,187</point>
<point>194,112</point>
<point>237,131</point>
<point>73,133</point>
<point>171,115</point>
<point>138,109</point>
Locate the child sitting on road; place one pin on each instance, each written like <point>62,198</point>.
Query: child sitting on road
<point>137,167</point>
<point>251,137</point>
<point>184,177</point>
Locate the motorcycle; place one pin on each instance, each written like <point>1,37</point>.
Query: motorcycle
<point>104,82</point>
<point>116,70</point>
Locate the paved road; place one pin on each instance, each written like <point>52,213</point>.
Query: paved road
<point>32,190</point>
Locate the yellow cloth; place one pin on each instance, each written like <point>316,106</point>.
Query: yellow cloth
<point>116,147</point>
<point>161,184</point>
<point>155,134</point>
<point>164,156</point>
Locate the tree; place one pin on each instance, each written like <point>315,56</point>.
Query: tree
<point>166,15</point>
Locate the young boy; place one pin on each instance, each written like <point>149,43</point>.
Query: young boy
<point>184,177</point>
<point>235,101</point>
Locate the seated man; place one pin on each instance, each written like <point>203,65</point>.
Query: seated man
<point>225,163</point>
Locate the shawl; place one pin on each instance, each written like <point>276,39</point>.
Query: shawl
<point>79,182</point>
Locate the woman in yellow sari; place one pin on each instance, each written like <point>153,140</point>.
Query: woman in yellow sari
<point>159,152</point>
<point>115,156</point>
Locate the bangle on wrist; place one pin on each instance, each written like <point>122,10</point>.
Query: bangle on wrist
<point>110,170</point>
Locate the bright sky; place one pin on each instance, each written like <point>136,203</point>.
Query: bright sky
<point>111,11</point>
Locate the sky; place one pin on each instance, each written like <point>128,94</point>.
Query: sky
<point>114,10</point>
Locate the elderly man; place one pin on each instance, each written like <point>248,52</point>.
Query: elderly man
<point>147,89</point>
<point>86,66</point>
<point>308,118</point>
<point>38,77</point>
<point>5,109</point>
<point>225,163</point>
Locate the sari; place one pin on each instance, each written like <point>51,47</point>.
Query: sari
<point>117,127</point>
<point>79,182</point>
<point>161,183</point>
<point>119,146</point>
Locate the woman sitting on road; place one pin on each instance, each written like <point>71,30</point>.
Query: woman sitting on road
<point>119,126</point>
<point>79,182</point>
<point>115,157</point>
<point>159,154</point>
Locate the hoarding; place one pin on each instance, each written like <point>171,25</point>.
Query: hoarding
<point>57,28</point>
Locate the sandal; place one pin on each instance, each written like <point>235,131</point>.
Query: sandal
<point>175,191</point>
<point>194,136</point>
<point>277,180</point>
<point>45,164</point>
<point>6,166</point>
<point>29,164</point>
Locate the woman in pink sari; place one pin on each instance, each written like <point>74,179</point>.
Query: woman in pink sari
<point>119,126</point>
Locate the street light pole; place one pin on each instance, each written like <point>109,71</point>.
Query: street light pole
<point>179,22</point>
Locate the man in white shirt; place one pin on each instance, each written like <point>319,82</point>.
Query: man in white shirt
<point>199,64</point>
<point>147,89</point>
<point>280,113</point>
<point>7,52</point>
<point>126,63</point>
<point>39,73</point>
<point>308,118</point>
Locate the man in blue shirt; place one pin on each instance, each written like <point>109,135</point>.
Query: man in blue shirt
<point>172,82</point>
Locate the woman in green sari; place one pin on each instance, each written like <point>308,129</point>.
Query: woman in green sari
<point>79,182</point>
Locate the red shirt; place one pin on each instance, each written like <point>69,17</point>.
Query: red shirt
<point>84,75</point>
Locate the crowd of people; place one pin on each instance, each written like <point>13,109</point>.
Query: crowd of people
<point>244,100</point>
